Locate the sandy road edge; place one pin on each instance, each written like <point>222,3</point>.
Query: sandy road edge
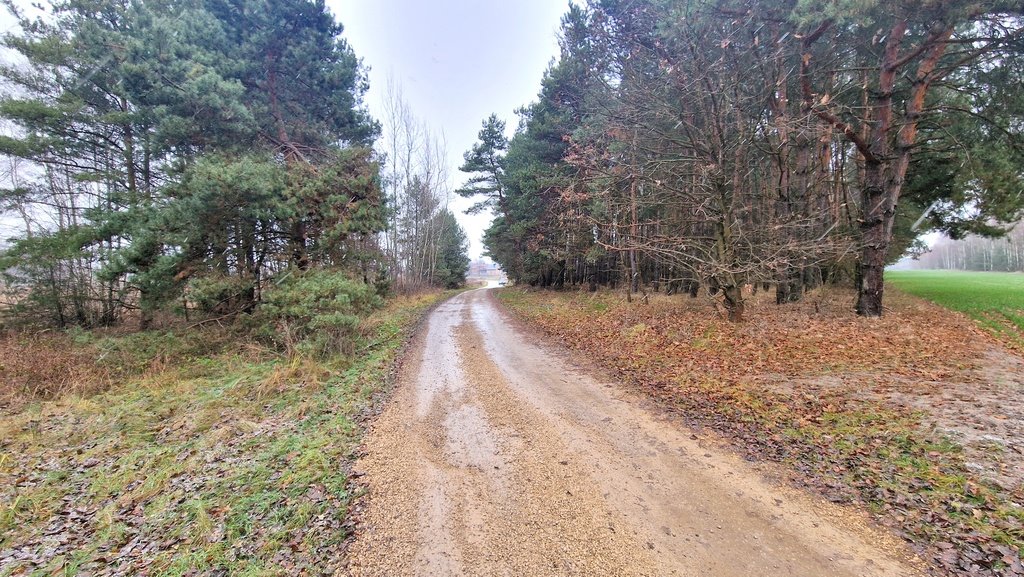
<point>356,485</point>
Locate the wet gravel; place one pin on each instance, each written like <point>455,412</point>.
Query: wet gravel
<point>496,456</point>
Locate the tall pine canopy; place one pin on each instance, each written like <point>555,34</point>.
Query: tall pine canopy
<point>484,161</point>
<point>180,154</point>
<point>688,144</point>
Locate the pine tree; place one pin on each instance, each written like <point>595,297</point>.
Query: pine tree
<point>186,143</point>
<point>452,258</point>
<point>484,162</point>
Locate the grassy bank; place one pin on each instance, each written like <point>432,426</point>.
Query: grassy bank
<point>832,396</point>
<point>995,300</point>
<point>221,457</point>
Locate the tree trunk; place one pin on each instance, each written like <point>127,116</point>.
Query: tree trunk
<point>300,256</point>
<point>872,268</point>
<point>634,273</point>
<point>734,303</point>
<point>145,312</point>
<point>886,167</point>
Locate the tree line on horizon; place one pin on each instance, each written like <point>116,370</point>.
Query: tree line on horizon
<point>687,144</point>
<point>975,253</point>
<point>189,156</point>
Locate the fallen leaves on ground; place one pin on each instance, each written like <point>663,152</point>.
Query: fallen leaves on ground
<point>890,412</point>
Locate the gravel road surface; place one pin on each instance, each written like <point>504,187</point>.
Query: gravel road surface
<point>496,455</point>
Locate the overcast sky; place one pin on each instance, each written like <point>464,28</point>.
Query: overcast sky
<point>457,61</point>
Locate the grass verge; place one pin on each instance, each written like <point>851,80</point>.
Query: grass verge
<point>995,300</point>
<point>230,462</point>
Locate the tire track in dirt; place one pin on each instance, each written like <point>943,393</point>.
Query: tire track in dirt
<point>494,457</point>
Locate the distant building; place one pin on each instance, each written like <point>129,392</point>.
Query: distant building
<point>481,270</point>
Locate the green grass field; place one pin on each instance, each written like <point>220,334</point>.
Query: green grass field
<point>995,300</point>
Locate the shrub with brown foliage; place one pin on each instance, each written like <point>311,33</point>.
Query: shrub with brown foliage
<point>46,366</point>
<point>49,365</point>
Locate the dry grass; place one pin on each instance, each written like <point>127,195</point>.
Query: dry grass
<point>47,366</point>
<point>199,461</point>
<point>51,365</point>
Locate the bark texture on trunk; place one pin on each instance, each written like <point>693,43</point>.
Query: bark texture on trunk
<point>885,146</point>
<point>734,303</point>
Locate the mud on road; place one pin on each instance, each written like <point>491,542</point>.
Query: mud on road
<point>497,456</point>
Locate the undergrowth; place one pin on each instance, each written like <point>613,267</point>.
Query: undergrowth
<point>48,365</point>
<point>205,454</point>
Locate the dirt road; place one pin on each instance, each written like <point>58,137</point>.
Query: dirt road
<point>496,456</point>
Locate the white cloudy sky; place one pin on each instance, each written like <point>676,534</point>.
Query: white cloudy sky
<point>457,61</point>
